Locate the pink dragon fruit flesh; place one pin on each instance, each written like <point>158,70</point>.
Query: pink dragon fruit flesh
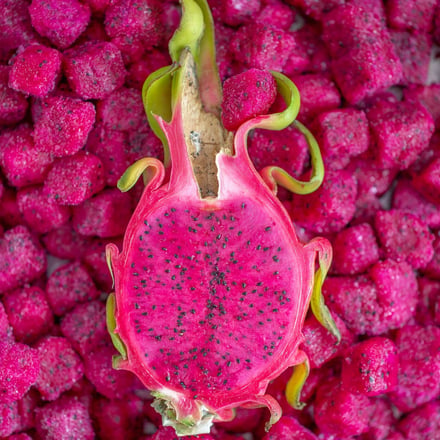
<point>212,285</point>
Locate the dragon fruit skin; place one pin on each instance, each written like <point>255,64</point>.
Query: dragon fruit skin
<point>212,284</point>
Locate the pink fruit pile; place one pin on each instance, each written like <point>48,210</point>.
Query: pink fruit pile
<point>72,121</point>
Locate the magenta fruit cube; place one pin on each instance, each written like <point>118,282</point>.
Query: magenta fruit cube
<point>428,96</point>
<point>289,427</point>
<point>22,259</point>
<point>94,69</point>
<point>35,70</point>
<point>247,95</point>
<point>60,367</point>
<point>415,16</point>
<point>74,179</point>
<point>421,424</point>
<point>238,12</point>
<point>10,418</point>
<point>68,286</point>
<point>427,181</point>
<point>14,104</point>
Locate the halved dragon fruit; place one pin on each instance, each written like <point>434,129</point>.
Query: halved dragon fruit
<point>212,285</point>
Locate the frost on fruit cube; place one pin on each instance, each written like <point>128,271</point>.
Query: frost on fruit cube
<point>143,143</point>
<point>67,418</point>
<point>406,198</point>
<point>340,413</point>
<point>247,95</point>
<point>35,70</point>
<point>63,125</point>
<point>287,149</point>
<point>10,418</point>
<point>400,132</point>
<point>23,163</point>
<point>278,14</point>
<point>238,12</point>
<point>122,110</point>
<point>112,147</point>
<point>22,258</point>
<point>15,26</point>
<point>370,367</point>
<point>94,69</point>
<point>414,52</point>
<point>109,382</point>
<point>118,419</point>
<point>382,421</point>
<point>423,423</point>
<point>105,215</point>
<point>85,326</point>
<point>289,427</point>
<point>262,47</point>
<point>61,21</point>
<point>419,372</point>
<point>19,369</point>
<point>331,207</point>
<point>40,212</point>
<point>320,345</point>
<point>363,57</point>
<point>60,367</point>
<point>415,16</point>
<point>382,300</point>
<point>404,237</point>
<point>68,286</point>
<point>28,312</point>
<point>74,179</point>
<point>65,243</point>
<point>428,96</point>
<point>427,181</point>
<point>341,134</point>
<point>134,24</point>
<point>318,94</point>
<point>14,104</point>
<point>355,249</point>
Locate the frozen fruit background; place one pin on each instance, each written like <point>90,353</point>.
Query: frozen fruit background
<point>72,120</point>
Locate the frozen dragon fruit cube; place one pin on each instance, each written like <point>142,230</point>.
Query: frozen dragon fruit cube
<point>14,104</point>
<point>340,413</point>
<point>382,421</point>
<point>105,215</point>
<point>85,326</point>
<point>109,382</point>
<point>65,243</point>
<point>61,21</point>
<point>35,70</point>
<point>419,356</point>
<point>428,307</point>
<point>407,198</point>
<point>432,269</point>
<point>238,12</point>
<point>276,13</point>
<point>4,322</point>
<point>400,132</point>
<point>23,163</point>
<point>289,427</point>
<point>331,207</point>
<point>39,211</point>
<point>315,8</point>
<point>421,424</point>
<point>318,94</point>
<point>74,179</point>
<point>370,367</point>
<point>122,110</point>
<point>10,418</point>
<point>363,57</point>
<point>94,69</point>
<point>69,285</point>
<point>247,95</point>
<point>427,182</point>
<point>28,312</point>
<point>134,22</point>
<point>20,367</point>
<point>405,14</point>
<point>60,367</point>
<point>414,52</point>
<point>262,47</point>
<point>428,96</point>
<point>63,125</point>
<point>341,134</point>
<point>10,215</point>
<point>404,237</point>
<point>355,249</point>
<point>22,258</point>
<point>67,418</point>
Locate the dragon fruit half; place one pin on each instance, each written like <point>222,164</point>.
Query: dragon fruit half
<point>212,285</point>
